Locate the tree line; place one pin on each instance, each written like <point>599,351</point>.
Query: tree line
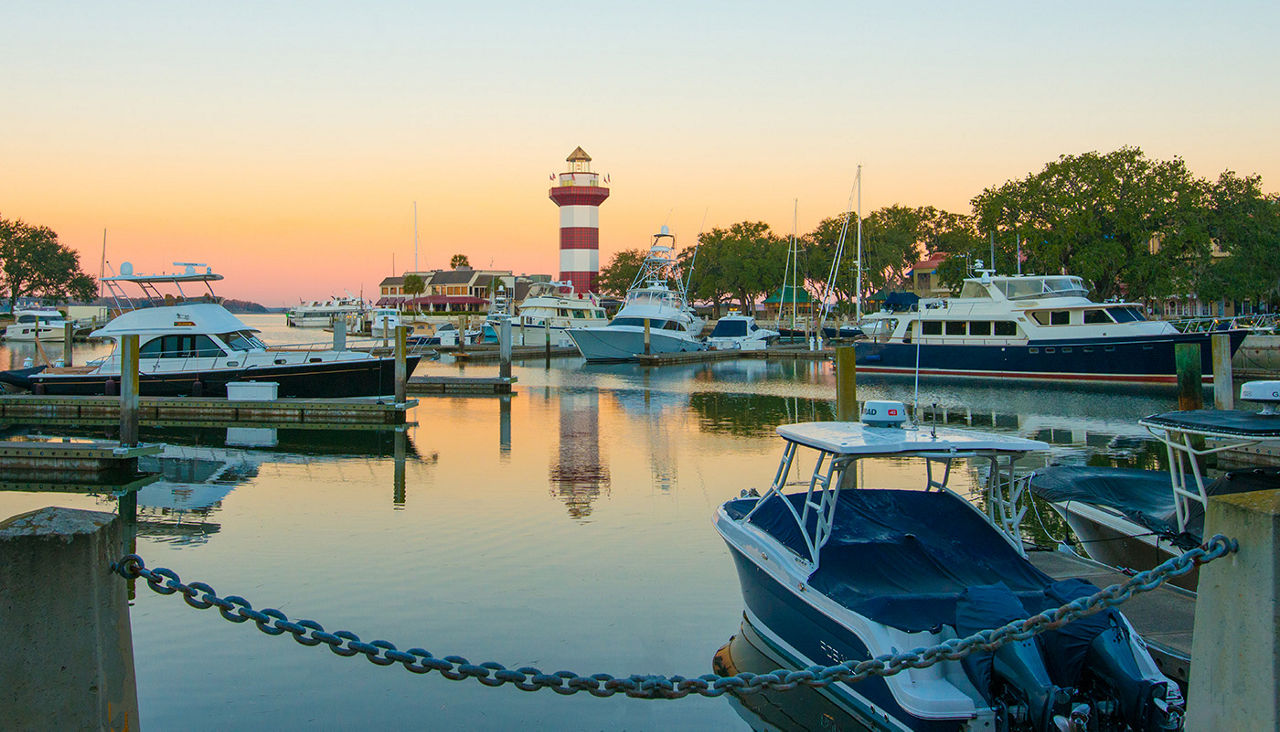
<point>33,263</point>
<point>1132,227</point>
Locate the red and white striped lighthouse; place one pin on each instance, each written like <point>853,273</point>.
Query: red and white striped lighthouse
<point>578,193</point>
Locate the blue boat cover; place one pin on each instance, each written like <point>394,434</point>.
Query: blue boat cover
<point>1219,421</point>
<point>903,557</point>
<point>1144,496</point>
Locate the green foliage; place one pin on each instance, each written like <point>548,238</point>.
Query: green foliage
<point>459,260</point>
<point>414,285</point>
<point>743,262</point>
<point>616,276</point>
<point>33,262</point>
<point>1128,225</point>
<point>1245,224</point>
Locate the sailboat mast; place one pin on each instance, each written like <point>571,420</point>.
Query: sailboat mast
<point>795,260</point>
<point>102,266</point>
<point>857,295</point>
<point>415,236</point>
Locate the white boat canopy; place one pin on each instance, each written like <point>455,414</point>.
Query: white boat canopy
<point>200,318</point>
<point>856,438</point>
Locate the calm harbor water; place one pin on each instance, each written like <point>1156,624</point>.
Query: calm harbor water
<point>568,527</point>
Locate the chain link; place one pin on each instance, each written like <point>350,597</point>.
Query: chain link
<point>383,653</point>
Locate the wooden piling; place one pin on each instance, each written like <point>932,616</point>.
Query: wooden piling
<point>402,367</point>
<point>69,664</point>
<point>1223,394</point>
<point>846,384</point>
<point>504,348</point>
<point>462,334</point>
<point>1235,682</point>
<point>1186,359</point>
<point>646,337</point>
<point>68,330</point>
<point>129,390</point>
<point>546,331</point>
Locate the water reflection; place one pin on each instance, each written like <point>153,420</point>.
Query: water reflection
<point>801,709</point>
<point>577,474</point>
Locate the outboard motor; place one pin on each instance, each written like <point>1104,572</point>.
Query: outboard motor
<point>1031,699</point>
<point>1098,655</point>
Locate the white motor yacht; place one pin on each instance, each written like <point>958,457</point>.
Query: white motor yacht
<point>739,331</point>
<point>28,325</point>
<point>196,346</point>
<point>653,305</point>
<point>556,307</point>
<point>322,313</point>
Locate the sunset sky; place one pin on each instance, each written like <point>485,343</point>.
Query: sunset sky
<point>285,143</point>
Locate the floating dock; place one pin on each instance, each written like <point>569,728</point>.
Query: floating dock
<point>487,352</point>
<point>667,359</point>
<point>352,413</point>
<point>1163,617</point>
<point>69,464</point>
<point>461,385</point>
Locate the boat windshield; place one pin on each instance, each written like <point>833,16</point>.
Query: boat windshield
<point>654,323</point>
<point>1015,288</point>
<point>729,329</point>
<point>1126,314</point>
<point>651,297</point>
<point>242,340</point>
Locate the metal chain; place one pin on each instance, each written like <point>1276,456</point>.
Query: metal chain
<point>383,653</point>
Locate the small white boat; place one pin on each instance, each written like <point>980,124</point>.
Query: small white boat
<point>653,306</point>
<point>384,323</point>
<point>739,331</point>
<point>840,573</point>
<point>28,325</point>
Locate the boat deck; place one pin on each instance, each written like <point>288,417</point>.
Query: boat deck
<point>1164,617</point>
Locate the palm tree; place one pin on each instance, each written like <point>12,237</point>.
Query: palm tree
<point>459,260</point>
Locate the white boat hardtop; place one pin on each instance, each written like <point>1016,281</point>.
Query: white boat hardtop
<point>200,318</point>
<point>856,438</point>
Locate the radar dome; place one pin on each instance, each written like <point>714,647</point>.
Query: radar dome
<point>126,268</point>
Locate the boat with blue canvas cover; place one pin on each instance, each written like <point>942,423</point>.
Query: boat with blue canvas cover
<point>1040,327</point>
<point>840,573</point>
<point>1135,518</point>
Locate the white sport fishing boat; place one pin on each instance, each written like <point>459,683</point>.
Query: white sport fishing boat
<point>738,331</point>
<point>196,346</point>
<point>29,325</point>
<point>672,325</point>
<point>839,573</point>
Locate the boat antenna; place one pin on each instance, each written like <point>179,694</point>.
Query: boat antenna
<point>688,276</point>
<point>857,292</point>
<point>915,399</point>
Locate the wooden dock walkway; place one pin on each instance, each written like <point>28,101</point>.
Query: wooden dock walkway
<point>667,359</point>
<point>460,385</point>
<point>1163,617</point>
<point>489,352</point>
<point>351,413</point>
<point>59,462</point>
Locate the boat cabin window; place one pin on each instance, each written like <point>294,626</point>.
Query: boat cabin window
<point>1005,328</point>
<point>180,345</point>
<point>654,323</point>
<point>1043,286</point>
<point>26,318</point>
<point>980,327</point>
<point>974,289</point>
<point>1052,317</point>
<point>955,327</point>
<point>931,327</point>
<point>1093,317</point>
<point>579,314</point>
<point>729,329</point>
<point>1125,314</point>
<point>241,341</point>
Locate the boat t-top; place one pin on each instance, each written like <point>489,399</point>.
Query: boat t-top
<point>652,299</point>
<point>1027,327</point>
<point>194,346</point>
<point>838,573</point>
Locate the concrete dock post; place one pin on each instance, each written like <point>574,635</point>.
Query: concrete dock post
<point>1186,361</point>
<point>69,662</point>
<point>68,330</point>
<point>846,384</point>
<point>129,390</point>
<point>1220,348</point>
<point>504,348</point>
<point>402,366</point>
<point>1235,648</point>
<point>646,336</point>
<point>340,334</point>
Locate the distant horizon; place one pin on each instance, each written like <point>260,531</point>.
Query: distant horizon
<point>285,145</point>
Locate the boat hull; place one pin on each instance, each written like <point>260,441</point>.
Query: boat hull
<point>1118,542</point>
<point>808,637</point>
<point>1143,359</point>
<point>625,343</point>
<point>334,379</point>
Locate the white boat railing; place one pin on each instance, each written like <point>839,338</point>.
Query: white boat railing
<point>1265,323</point>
